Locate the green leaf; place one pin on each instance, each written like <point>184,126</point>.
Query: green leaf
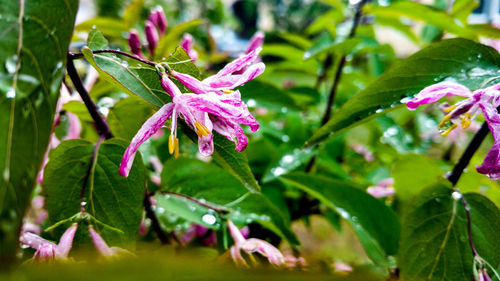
<point>132,13</point>
<point>375,224</point>
<point>173,37</point>
<point>434,242</point>
<point>421,12</point>
<point>412,173</point>
<point>266,93</point>
<point>110,198</point>
<point>109,26</point>
<point>459,60</point>
<point>126,117</point>
<point>234,161</point>
<point>34,38</point>
<point>142,81</point>
<point>218,188</point>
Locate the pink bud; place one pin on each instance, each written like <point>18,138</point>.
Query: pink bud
<point>151,36</point>
<point>66,241</point>
<point>135,43</point>
<point>99,243</point>
<point>161,20</point>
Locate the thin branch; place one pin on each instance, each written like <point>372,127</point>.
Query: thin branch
<point>341,64</point>
<point>80,55</point>
<point>155,224</point>
<point>101,124</point>
<point>469,223</point>
<point>468,153</point>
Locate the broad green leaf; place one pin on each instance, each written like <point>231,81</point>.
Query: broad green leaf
<point>297,40</point>
<point>236,162</point>
<point>266,93</point>
<point>109,26</point>
<point>434,242</point>
<point>34,39</point>
<point>327,44</point>
<point>173,37</point>
<point>126,117</point>
<point>412,173</point>
<point>421,12</point>
<point>375,224</point>
<point>459,60</point>
<point>142,81</point>
<point>218,188</point>
<point>109,197</point>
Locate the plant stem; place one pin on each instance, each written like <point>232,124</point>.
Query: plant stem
<point>468,153</point>
<point>80,55</point>
<point>101,124</point>
<point>341,64</point>
<point>155,224</point>
<point>458,171</point>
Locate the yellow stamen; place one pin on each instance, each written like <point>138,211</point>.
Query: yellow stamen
<point>466,120</point>
<point>228,91</point>
<point>176,155</point>
<point>445,133</point>
<point>201,129</point>
<point>171,144</point>
<point>444,120</point>
<point>449,109</point>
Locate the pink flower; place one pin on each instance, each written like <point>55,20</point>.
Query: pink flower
<point>252,245</point>
<point>103,248</point>
<point>46,250</point>
<point>384,188</point>
<point>203,113</point>
<point>483,100</point>
<point>187,45</point>
<point>227,78</point>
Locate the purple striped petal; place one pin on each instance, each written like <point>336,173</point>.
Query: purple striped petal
<point>232,131</point>
<point>151,126</point>
<point>233,81</point>
<point>236,65</point>
<point>192,83</point>
<point>435,92</point>
<point>255,42</point>
<point>169,86</point>
<point>491,163</point>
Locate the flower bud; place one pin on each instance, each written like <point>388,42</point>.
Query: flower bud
<point>135,43</point>
<point>161,20</point>
<point>151,37</point>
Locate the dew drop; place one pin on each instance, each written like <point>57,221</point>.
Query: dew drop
<point>251,103</point>
<point>11,93</point>
<point>456,195</point>
<point>11,64</point>
<point>209,219</point>
<point>83,204</point>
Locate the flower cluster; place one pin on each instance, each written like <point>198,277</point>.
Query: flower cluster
<point>214,105</point>
<point>485,101</point>
<point>156,25</point>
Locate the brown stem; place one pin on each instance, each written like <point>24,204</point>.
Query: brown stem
<point>80,55</point>
<point>164,237</point>
<point>101,124</point>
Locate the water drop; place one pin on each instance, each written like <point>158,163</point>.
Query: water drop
<point>11,93</point>
<point>284,110</point>
<point>278,171</point>
<point>209,219</point>
<point>456,195</point>
<point>251,103</point>
<point>161,210</point>
<point>287,159</point>
<point>11,64</point>
<point>285,138</point>
<point>83,204</point>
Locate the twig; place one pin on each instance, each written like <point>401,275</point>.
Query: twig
<point>80,55</point>
<point>469,223</point>
<point>341,64</point>
<point>468,153</point>
<point>155,224</point>
<point>101,124</point>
